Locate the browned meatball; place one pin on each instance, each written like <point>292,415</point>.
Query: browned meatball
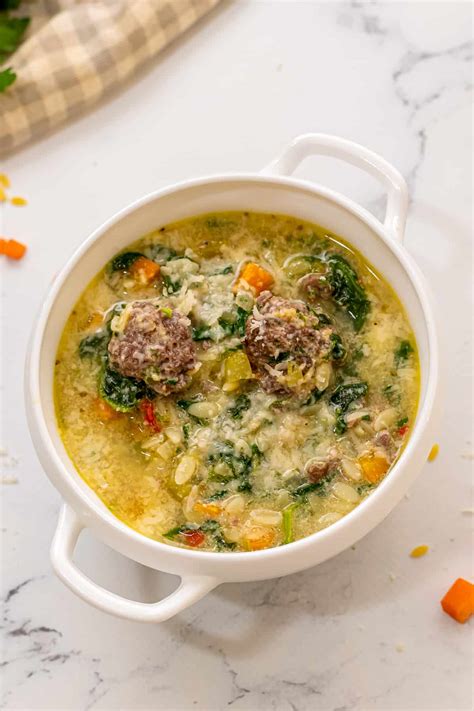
<point>155,346</point>
<point>283,334</point>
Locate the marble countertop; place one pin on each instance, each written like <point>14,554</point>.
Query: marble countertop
<point>364,630</point>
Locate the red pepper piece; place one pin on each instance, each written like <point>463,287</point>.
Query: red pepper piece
<point>193,538</point>
<point>403,430</point>
<point>146,406</point>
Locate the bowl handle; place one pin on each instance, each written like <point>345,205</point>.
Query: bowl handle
<point>342,149</point>
<point>191,589</point>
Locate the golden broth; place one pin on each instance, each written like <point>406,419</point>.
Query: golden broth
<point>224,464</point>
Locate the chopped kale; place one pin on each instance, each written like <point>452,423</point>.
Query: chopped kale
<point>123,262</point>
<point>161,254</point>
<point>402,422</point>
<point>347,291</point>
<point>172,286</point>
<point>239,466</point>
<point>341,398</point>
<point>120,392</point>
<point>214,529</point>
<point>95,344</point>
<point>338,352</point>
<point>404,350</point>
<point>201,333</point>
<point>241,404</point>
<point>235,326</point>
<point>317,487</point>
<point>217,495</point>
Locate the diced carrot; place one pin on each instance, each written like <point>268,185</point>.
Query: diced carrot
<point>104,411</point>
<point>257,539</point>
<point>459,600</point>
<point>433,453</point>
<point>95,320</point>
<point>373,467</point>
<point>12,248</point>
<point>207,508</point>
<point>419,551</point>
<point>256,276</point>
<point>18,201</point>
<point>144,270</point>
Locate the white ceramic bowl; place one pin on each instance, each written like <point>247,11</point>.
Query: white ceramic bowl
<point>268,191</point>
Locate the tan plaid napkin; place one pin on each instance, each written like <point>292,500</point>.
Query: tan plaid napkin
<point>77,50</point>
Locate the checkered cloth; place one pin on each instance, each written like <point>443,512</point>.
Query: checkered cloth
<point>77,50</point>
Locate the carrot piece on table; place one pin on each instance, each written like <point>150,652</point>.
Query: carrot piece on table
<point>419,551</point>
<point>459,600</point>
<point>144,270</point>
<point>373,467</point>
<point>256,276</point>
<point>12,248</point>
<point>18,201</point>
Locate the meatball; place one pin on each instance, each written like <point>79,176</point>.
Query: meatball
<point>285,344</point>
<point>156,346</point>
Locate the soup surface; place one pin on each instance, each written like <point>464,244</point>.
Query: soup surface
<point>236,381</point>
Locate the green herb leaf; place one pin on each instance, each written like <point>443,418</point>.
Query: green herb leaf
<point>12,30</point>
<point>201,333</point>
<point>241,404</point>
<point>338,352</point>
<point>123,262</point>
<point>161,254</point>
<point>120,392</point>
<point>341,398</point>
<point>7,77</point>
<point>95,344</point>
<point>404,350</point>
<point>235,326</point>
<point>347,291</point>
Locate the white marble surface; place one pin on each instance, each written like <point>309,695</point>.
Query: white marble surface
<point>364,630</point>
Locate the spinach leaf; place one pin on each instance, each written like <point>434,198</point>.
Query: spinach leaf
<point>95,344</point>
<point>341,398</point>
<point>239,466</point>
<point>12,30</point>
<point>235,326</point>
<point>123,262</point>
<point>317,487</point>
<point>214,529</point>
<point>402,421</point>
<point>120,392</point>
<point>404,350</point>
<point>241,404</point>
<point>161,254</point>
<point>7,77</point>
<point>347,291</point>
<point>172,287</point>
<point>217,495</point>
<point>338,352</point>
<point>209,526</point>
<point>201,333</point>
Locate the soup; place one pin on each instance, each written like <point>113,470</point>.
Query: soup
<point>236,381</point>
